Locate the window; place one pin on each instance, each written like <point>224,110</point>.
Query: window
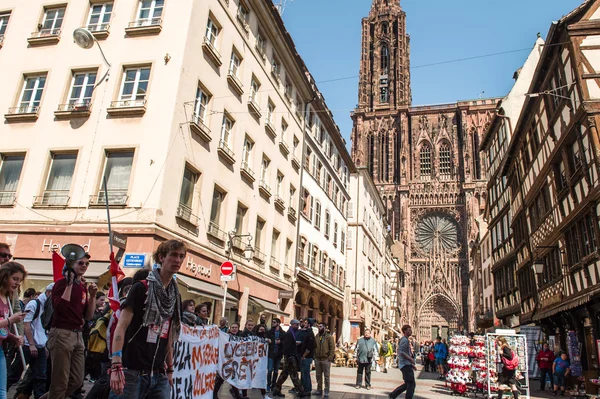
<point>425,160</point>
<point>279,186</point>
<point>274,244</point>
<point>327,222</point>
<point>292,196</point>
<point>234,64</point>
<point>318,215</point>
<point>264,170</point>
<point>117,172</point>
<point>99,17</point>
<point>314,256</point>
<point>135,85</point>
<point>322,263</point>
<point>335,234</point>
<point>270,113</point>
<point>212,31</point>
<point>445,160</point>
<point>254,87</point>
<point>288,252</point>
<point>296,144</point>
<point>10,173</point>
<point>385,59</point>
<point>240,218</point>
<point>287,88</point>
<point>186,197</point>
<point>52,22</point>
<point>284,128</point>
<point>306,204</point>
<point>226,128</point>
<point>59,180</point>
<point>31,96</point>
<point>82,88</point>
<point>217,204</point>
<point>3,24</point>
<point>260,225</point>
<point>261,44</point>
<point>247,152</point>
<point>243,15</point>
<point>276,67</point>
<point>201,105</point>
<point>150,12</point>
<point>343,242</point>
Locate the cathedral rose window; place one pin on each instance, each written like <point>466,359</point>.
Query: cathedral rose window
<point>437,232</point>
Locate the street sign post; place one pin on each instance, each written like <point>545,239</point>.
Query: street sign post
<point>227,274</point>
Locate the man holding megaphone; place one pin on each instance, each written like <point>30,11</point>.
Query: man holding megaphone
<point>73,302</point>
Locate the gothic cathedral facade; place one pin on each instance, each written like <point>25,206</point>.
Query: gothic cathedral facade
<point>426,163</point>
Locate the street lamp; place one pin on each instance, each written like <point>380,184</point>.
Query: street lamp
<point>248,254</point>
<point>85,39</point>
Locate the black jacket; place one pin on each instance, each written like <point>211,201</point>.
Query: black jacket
<point>271,335</point>
<point>308,343</point>
<point>289,345</point>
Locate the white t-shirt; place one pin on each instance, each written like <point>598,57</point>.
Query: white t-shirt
<point>39,334</point>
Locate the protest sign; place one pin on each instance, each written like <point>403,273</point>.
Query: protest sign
<point>243,361</point>
<point>195,362</point>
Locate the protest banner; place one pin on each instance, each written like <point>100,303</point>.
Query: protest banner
<point>195,362</point>
<point>243,361</point>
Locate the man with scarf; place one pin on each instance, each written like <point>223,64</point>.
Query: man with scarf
<point>149,325</point>
<point>290,344</point>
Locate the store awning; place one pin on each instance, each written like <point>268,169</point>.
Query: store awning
<point>267,306</point>
<point>42,269</point>
<point>203,288</point>
<point>573,303</point>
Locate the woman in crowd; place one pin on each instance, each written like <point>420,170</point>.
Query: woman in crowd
<point>560,370</point>
<point>507,376</point>
<point>12,275</point>
<point>202,313</point>
<point>234,330</point>
<point>188,316</point>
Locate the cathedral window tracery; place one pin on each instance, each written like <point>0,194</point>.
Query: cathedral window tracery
<point>425,161</point>
<point>445,160</point>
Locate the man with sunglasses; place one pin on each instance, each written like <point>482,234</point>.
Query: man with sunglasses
<point>5,254</point>
<point>73,303</point>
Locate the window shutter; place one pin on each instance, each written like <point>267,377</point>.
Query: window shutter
<point>350,241</point>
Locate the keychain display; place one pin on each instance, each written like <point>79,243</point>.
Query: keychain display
<point>466,362</point>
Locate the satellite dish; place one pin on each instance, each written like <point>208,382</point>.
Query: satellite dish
<point>72,252</point>
<point>83,38</point>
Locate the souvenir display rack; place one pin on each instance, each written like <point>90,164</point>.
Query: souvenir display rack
<point>518,342</point>
<point>466,362</point>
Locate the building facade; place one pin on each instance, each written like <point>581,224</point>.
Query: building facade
<point>368,258</point>
<point>198,130</point>
<point>552,171</point>
<point>426,164</point>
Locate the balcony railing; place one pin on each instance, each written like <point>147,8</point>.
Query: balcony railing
<point>264,188</point>
<point>259,256</point>
<point>261,51</point>
<point>115,197</point>
<point>254,107</point>
<point>7,198</point>
<point>288,271</point>
<point>274,266</point>
<point>184,212</point>
<point>226,152</point>
<point>247,172</point>
<point>198,126</point>
<point>269,127</point>
<point>212,52</point>
<point>127,107</point>
<point>235,82</point>
<point>285,149</point>
<point>75,107</point>
<point>292,214</point>
<point>243,20</point>
<point>52,198</point>
<point>295,162</point>
<point>215,232</point>
<point>98,27</point>
<point>45,33</point>
<point>28,109</point>
<point>279,202</point>
<point>145,22</point>
<point>128,103</point>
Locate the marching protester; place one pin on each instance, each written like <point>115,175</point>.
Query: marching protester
<point>306,352</point>
<point>364,354</point>
<point>73,304</point>
<point>11,276</point>
<point>324,356</point>
<point>248,328</point>
<point>510,362</point>
<point>202,312</point>
<point>188,317</point>
<point>406,364</point>
<point>275,335</point>
<point>291,364</point>
<point>545,359</point>
<point>149,324</point>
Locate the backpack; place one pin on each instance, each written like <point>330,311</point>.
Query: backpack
<point>97,341</point>
<point>47,314</point>
<point>511,364</point>
<point>38,308</point>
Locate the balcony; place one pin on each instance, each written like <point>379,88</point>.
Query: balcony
<point>258,256</point>
<point>215,232</point>
<point>146,26</point>
<point>59,199</point>
<point>225,152</point>
<point>197,126</point>
<point>485,319</point>
<point>184,213</point>
<point>100,31</point>
<point>22,114</point>
<point>253,107</point>
<point>235,83</point>
<point>73,110</point>
<point>279,203</point>
<point>264,189</point>
<point>247,173</point>
<point>211,51</point>
<point>115,198</point>
<point>292,214</point>
<point>296,162</point>
<point>283,147</point>
<point>44,37</point>
<point>288,271</point>
<point>270,128</point>
<point>127,108</point>
<point>7,198</point>
<point>274,266</point>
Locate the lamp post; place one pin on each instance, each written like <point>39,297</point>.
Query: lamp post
<point>248,254</point>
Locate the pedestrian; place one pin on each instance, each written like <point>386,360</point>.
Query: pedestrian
<point>291,365</point>
<point>364,357</point>
<point>262,319</point>
<point>74,303</point>
<point>306,352</point>
<point>188,317</point>
<point>28,296</point>
<point>275,334</point>
<point>324,356</point>
<point>223,324</point>
<point>375,363</point>
<point>386,353</point>
<point>11,276</point>
<point>202,314</point>
<point>148,327</point>
<point>34,349</point>
<point>406,364</point>
<point>510,363</point>
<point>440,352</point>
<point>545,359</point>
<point>561,369</point>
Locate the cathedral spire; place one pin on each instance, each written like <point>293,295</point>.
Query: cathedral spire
<point>385,5</point>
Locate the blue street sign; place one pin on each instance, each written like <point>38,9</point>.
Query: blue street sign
<point>134,260</point>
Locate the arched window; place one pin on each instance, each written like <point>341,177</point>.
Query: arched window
<point>385,59</point>
<point>384,28</point>
<point>425,161</point>
<point>445,160</point>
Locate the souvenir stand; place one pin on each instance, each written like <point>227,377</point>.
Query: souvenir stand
<point>518,342</point>
<point>466,360</point>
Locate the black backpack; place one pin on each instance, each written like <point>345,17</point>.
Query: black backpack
<point>38,309</point>
<point>47,314</point>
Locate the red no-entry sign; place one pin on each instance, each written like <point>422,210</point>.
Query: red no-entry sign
<point>226,268</point>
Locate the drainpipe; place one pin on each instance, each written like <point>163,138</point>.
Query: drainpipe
<point>356,249</point>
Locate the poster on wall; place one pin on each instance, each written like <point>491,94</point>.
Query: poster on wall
<point>534,336</point>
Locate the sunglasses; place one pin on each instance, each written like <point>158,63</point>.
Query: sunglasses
<point>5,255</point>
<point>83,263</point>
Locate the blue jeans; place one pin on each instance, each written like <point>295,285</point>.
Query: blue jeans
<point>272,372</point>
<point>142,386</point>
<point>305,374</point>
<point>3,375</point>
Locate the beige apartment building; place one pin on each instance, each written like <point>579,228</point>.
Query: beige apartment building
<point>197,128</point>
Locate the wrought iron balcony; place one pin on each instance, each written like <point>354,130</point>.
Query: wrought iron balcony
<point>235,82</point>
<point>115,198</point>
<point>127,107</point>
<point>215,232</point>
<point>73,109</point>
<point>254,107</point>
<point>274,266</point>
<point>279,203</point>
<point>283,147</point>
<point>44,36</point>
<point>259,256</point>
<point>270,128</point>
<point>144,26</point>
<point>99,30</point>
<point>211,51</point>
<point>8,198</point>
<point>58,198</point>
<point>224,151</point>
<point>264,188</point>
<point>184,212</point>
<point>247,172</point>
<point>23,113</point>
<point>197,126</point>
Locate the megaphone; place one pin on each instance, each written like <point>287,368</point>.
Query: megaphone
<point>72,253</point>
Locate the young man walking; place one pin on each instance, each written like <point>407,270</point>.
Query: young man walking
<point>324,356</point>
<point>306,352</point>
<point>150,322</point>
<point>73,304</point>
<point>364,355</point>
<point>406,364</point>
<point>291,365</point>
<point>275,334</point>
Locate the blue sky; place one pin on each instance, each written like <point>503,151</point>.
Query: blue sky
<point>327,35</point>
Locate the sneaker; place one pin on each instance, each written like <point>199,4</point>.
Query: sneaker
<point>368,388</point>
<point>357,386</point>
<point>318,392</point>
<point>277,394</point>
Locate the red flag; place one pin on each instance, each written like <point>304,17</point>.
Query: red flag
<point>57,266</point>
<point>115,269</point>
<point>117,275</point>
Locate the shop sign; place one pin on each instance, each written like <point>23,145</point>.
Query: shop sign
<point>119,240</point>
<point>51,246</point>
<point>551,300</point>
<point>196,269</point>
<point>134,260</point>
<point>286,294</point>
